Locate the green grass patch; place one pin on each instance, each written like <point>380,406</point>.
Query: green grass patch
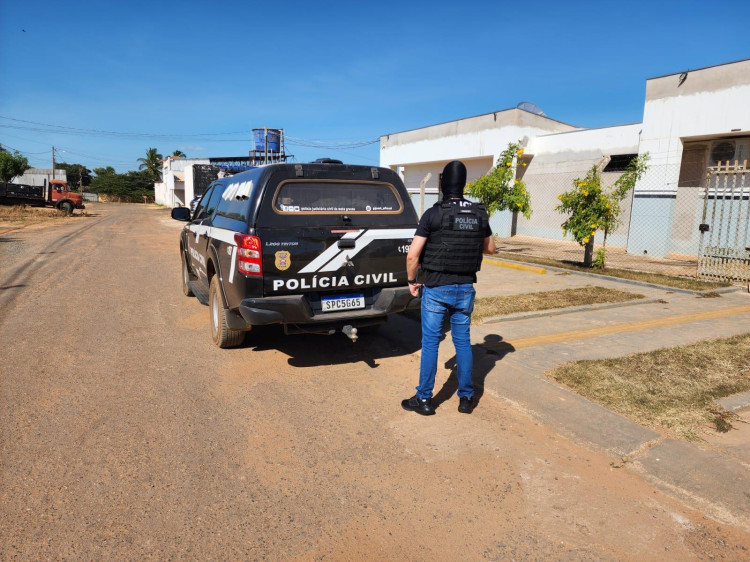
<point>669,390</point>
<point>645,277</point>
<point>489,307</point>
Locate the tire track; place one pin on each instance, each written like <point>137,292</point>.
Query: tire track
<point>15,284</point>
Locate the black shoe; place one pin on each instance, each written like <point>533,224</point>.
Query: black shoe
<point>466,405</point>
<point>422,406</point>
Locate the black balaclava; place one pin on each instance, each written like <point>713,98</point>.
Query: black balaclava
<point>453,180</point>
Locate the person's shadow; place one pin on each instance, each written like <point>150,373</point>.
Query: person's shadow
<point>485,355</point>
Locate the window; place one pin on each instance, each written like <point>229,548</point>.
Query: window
<point>208,202</point>
<point>619,162</point>
<point>235,201</point>
<point>327,197</point>
<point>214,197</point>
<point>200,208</point>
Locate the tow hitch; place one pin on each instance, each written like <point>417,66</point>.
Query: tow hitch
<point>350,332</point>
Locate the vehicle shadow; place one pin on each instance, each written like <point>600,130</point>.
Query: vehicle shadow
<point>399,337</point>
<point>485,355</point>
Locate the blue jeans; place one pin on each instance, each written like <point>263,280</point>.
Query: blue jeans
<point>458,302</point>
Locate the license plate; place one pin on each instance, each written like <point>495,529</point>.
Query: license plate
<point>342,302</point>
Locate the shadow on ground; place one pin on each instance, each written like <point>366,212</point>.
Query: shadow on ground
<point>485,355</point>
<point>398,337</point>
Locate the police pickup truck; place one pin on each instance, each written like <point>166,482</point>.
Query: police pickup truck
<point>318,248</point>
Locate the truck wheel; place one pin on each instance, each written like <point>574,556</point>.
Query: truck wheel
<point>220,332</point>
<point>66,207</point>
<point>186,277</point>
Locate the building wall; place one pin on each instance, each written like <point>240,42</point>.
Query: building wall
<point>37,176</point>
<point>557,160</point>
<point>476,141</point>
<point>484,136</point>
<point>175,192</point>
<point>702,104</point>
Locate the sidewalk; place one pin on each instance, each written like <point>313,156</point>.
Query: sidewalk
<point>515,354</point>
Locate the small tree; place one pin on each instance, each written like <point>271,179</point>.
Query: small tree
<point>499,190</point>
<point>590,208</point>
<point>12,165</point>
<point>178,154</point>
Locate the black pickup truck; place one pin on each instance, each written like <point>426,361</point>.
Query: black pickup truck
<point>318,248</point>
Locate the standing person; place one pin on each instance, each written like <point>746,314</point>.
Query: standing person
<point>449,242</point>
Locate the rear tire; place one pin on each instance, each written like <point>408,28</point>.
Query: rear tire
<point>222,335</point>
<point>186,278</point>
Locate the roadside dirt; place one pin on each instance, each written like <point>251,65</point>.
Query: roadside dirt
<point>127,434</point>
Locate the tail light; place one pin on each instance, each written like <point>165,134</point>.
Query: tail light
<point>249,257</point>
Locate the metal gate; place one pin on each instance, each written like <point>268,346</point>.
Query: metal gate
<point>724,251</point>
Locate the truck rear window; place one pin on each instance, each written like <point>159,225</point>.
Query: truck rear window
<point>336,197</point>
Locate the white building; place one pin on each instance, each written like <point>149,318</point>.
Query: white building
<point>184,178</point>
<point>177,186</point>
<point>40,176</point>
<point>691,120</point>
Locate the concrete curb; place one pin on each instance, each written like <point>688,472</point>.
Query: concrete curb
<point>629,281</point>
<point>704,478</point>
<point>513,265</point>
<point>734,402</point>
<point>568,310</point>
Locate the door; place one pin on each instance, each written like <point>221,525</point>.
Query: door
<point>724,252</point>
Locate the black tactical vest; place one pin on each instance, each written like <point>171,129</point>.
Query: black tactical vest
<point>457,246</point>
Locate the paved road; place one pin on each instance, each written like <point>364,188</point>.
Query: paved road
<point>126,433</point>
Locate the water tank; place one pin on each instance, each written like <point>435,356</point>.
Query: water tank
<point>273,136</point>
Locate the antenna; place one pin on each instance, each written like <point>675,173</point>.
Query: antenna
<point>531,108</point>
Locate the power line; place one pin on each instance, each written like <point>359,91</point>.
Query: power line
<point>79,131</point>
<point>21,151</point>
<point>39,127</point>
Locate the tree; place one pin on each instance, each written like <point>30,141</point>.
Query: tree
<point>131,186</point>
<point>499,190</point>
<point>179,154</point>
<point>77,174</point>
<point>108,171</point>
<point>12,165</point>
<point>152,163</point>
<point>590,208</point>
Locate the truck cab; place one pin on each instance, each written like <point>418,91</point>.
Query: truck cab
<point>62,199</point>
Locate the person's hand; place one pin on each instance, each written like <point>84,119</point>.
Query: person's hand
<point>414,289</point>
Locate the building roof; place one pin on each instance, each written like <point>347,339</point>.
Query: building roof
<point>696,69</point>
<point>475,116</point>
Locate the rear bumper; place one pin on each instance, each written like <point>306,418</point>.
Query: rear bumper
<point>296,309</point>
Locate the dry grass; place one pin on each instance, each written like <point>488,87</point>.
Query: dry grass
<point>489,307</point>
<point>645,277</point>
<point>20,215</point>
<point>669,390</point>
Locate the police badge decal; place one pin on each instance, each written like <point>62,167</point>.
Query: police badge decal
<point>283,260</point>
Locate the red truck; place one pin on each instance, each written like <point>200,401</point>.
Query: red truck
<point>54,193</point>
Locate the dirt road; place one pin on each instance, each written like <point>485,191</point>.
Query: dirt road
<point>127,434</point>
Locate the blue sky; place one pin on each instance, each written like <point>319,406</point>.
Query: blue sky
<point>329,73</point>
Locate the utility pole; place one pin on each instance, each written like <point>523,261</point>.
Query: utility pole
<point>265,145</point>
<point>53,162</point>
